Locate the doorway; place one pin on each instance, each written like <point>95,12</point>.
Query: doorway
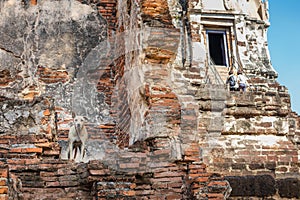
<point>217,46</point>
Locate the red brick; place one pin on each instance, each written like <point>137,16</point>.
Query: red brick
<point>15,150</point>
<point>168,174</point>
<point>53,184</point>
<point>162,152</point>
<point>99,172</point>
<point>129,193</point>
<point>129,165</point>
<point>295,159</point>
<point>3,197</point>
<point>162,96</point>
<point>160,185</point>
<point>220,183</point>
<point>144,192</point>
<point>215,196</point>
<point>174,185</point>
<point>64,171</point>
<point>51,152</point>
<point>158,164</point>
<point>3,173</point>
<point>284,158</point>
<point>173,197</point>
<point>107,126</point>
<point>45,145</point>
<point>169,179</point>
<point>45,166</point>
<point>47,112</point>
<point>3,182</point>
<point>197,171</point>
<point>31,161</point>
<point>32,150</point>
<point>49,178</point>
<point>3,151</point>
<point>33,2</point>
<point>4,141</point>
<point>47,174</point>
<point>202,179</point>
<point>3,189</point>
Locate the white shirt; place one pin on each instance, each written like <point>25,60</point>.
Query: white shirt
<point>242,79</point>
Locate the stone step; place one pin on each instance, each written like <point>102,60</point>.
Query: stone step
<point>223,72</point>
<point>212,92</point>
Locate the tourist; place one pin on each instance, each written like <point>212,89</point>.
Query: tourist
<point>242,81</point>
<point>232,81</point>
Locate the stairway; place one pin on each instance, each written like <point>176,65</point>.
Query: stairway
<point>217,75</point>
<point>223,72</point>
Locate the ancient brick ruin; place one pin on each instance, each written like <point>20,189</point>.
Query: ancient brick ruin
<point>148,76</point>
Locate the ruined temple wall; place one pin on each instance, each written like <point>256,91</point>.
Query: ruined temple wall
<point>228,126</point>
<point>34,163</point>
<point>40,63</point>
<point>260,118</point>
<point>178,136</point>
<point>252,135</point>
<point>255,9</point>
<point>70,81</point>
<point>246,34</point>
<point>253,145</point>
<point>152,44</point>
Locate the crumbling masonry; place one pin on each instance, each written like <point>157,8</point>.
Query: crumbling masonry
<point>149,77</point>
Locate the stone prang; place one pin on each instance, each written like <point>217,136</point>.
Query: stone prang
<point>149,81</point>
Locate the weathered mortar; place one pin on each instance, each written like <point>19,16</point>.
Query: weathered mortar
<point>158,126</point>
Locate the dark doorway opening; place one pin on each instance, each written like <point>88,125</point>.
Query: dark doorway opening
<point>217,47</point>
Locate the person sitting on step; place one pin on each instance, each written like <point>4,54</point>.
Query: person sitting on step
<point>242,81</point>
<point>232,81</point>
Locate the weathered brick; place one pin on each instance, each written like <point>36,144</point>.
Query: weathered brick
<point>168,92</point>
<point>4,197</point>
<point>99,172</point>
<point>3,189</point>
<point>3,181</point>
<point>173,196</point>
<point>129,193</point>
<point>3,173</point>
<point>129,165</point>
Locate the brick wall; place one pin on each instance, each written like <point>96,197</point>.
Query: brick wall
<point>252,140</point>
<point>162,133</point>
<point>108,10</point>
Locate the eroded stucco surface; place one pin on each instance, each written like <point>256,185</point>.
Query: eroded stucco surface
<point>160,122</point>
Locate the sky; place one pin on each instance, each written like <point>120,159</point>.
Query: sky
<point>284,45</point>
